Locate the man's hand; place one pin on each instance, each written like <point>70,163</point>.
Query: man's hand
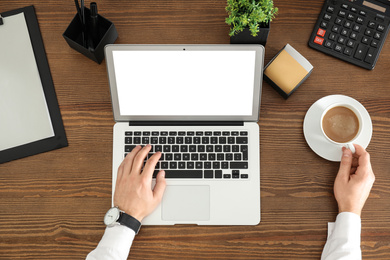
<point>354,180</point>
<point>133,190</point>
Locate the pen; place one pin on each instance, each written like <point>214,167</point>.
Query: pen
<point>93,27</point>
<point>83,23</point>
<point>76,2</point>
<point>80,11</point>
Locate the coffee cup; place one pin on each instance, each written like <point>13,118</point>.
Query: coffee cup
<point>341,124</point>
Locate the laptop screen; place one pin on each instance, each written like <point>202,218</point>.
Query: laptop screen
<point>184,83</point>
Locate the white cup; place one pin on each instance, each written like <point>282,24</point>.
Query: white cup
<point>348,144</point>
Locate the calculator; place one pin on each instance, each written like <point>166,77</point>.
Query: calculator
<point>352,30</point>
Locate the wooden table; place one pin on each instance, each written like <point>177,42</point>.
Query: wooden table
<point>52,204</point>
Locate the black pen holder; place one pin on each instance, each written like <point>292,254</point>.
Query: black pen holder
<point>86,41</point>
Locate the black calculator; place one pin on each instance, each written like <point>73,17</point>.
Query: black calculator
<point>352,30</point>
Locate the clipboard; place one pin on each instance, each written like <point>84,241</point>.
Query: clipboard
<point>44,113</point>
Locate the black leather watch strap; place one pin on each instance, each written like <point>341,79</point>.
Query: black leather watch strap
<point>129,222</point>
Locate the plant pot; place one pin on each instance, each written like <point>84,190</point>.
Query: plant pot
<point>245,36</point>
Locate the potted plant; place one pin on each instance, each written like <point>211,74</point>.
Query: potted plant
<point>250,20</point>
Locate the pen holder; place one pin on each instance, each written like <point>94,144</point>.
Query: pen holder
<point>106,34</point>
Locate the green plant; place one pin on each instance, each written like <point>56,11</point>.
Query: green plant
<point>249,13</point>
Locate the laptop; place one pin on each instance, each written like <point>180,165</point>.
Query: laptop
<point>199,105</point>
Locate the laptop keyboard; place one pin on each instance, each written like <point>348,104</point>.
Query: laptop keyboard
<point>195,154</point>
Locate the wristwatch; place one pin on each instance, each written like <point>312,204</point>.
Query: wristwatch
<point>115,215</point>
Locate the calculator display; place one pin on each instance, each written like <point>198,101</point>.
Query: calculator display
<point>374,6</point>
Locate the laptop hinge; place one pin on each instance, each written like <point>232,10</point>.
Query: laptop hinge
<point>186,123</point>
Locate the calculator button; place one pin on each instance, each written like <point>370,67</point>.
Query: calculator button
<point>380,27</point>
<point>360,52</point>
<point>335,28</point>
<point>361,12</point>
<point>348,51</point>
<point>330,9</point>
<point>328,44</point>
<point>318,40</point>
<point>338,48</point>
<point>332,37</point>
<point>353,35</point>
<point>327,17</point>
<point>344,32</point>
<point>324,24</point>
<point>360,20</point>
<point>371,24</point>
<point>356,28</point>
<point>342,13</point>
<point>351,17</point>
<point>377,36</point>
<point>350,43</point>
<point>338,21</point>
<point>341,40</point>
<point>374,43</point>
<point>321,32</point>
<point>380,19</point>
<point>344,6</point>
<point>365,40</point>
<point>347,24</point>
<point>370,56</point>
<point>369,32</point>
<point>353,9</point>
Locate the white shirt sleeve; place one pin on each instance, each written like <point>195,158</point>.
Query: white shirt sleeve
<point>343,241</point>
<point>114,245</point>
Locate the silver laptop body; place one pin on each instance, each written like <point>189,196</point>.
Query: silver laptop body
<point>199,105</point>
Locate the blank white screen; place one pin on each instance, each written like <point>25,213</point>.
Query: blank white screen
<point>170,83</point>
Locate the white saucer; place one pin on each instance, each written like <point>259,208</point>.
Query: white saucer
<point>312,127</point>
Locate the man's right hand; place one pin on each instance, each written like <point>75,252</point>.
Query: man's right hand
<point>354,180</point>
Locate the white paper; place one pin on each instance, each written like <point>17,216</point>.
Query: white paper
<point>298,57</point>
<point>24,116</point>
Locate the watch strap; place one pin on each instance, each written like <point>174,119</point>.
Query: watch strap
<point>130,222</point>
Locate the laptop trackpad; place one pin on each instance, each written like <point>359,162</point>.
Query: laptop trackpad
<point>186,203</point>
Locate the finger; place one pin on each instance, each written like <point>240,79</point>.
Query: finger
<point>150,165</point>
<point>128,162</point>
<point>138,161</point>
<point>359,150</point>
<point>362,156</point>
<point>129,159</point>
<point>364,163</point>
<point>345,165</point>
<point>355,162</point>
<point>160,186</point>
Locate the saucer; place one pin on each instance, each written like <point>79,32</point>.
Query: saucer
<point>313,133</point>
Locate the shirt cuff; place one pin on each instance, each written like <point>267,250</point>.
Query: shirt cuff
<point>347,225</point>
<point>115,243</point>
<point>343,241</point>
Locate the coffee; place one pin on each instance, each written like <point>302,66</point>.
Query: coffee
<point>340,124</point>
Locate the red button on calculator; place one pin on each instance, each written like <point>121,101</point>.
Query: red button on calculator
<point>318,40</point>
<point>321,32</point>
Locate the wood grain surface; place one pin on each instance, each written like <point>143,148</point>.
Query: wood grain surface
<point>52,204</point>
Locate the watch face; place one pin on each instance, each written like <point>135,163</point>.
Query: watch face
<point>111,216</point>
